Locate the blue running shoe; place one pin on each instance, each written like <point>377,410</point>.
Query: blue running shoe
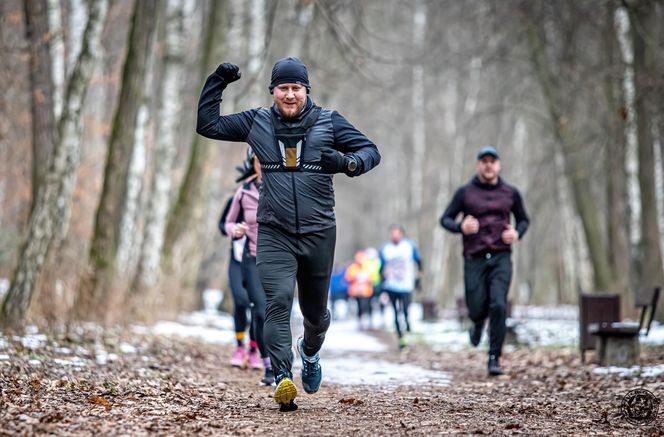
<point>285,392</point>
<point>312,374</point>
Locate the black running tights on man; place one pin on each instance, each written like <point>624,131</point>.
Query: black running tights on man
<point>284,259</point>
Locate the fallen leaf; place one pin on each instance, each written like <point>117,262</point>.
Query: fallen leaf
<point>98,400</point>
<point>512,426</point>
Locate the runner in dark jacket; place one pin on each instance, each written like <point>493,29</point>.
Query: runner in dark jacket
<point>487,203</point>
<point>299,146</point>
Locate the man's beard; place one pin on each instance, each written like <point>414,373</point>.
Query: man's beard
<point>289,111</point>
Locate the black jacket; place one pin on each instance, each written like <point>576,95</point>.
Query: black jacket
<point>295,201</point>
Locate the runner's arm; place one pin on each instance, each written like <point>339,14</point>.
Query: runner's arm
<point>520,214</point>
<point>233,213</point>
<point>350,141</point>
<point>211,124</point>
<point>448,219</point>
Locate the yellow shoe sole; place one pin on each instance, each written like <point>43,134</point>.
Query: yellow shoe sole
<point>285,392</point>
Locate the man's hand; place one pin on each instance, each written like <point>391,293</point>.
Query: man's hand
<point>510,235</point>
<point>240,230</point>
<point>470,225</point>
<point>332,162</point>
<point>228,72</point>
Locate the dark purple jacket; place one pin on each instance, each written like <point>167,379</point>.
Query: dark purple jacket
<point>491,205</point>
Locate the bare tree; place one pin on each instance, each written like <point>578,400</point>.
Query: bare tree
<point>643,25</point>
<point>105,240</point>
<point>43,117</point>
<point>169,110</point>
<point>43,219</point>
<point>189,193</point>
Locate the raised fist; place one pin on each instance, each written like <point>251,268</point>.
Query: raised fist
<point>228,72</point>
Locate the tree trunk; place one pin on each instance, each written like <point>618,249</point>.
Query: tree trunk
<point>583,199</point>
<point>43,219</point>
<point>169,111</point>
<point>43,117</point>
<point>615,156</point>
<point>643,28</point>
<point>189,193</point>
<point>105,240</point>
<point>419,125</point>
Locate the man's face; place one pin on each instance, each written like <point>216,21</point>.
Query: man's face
<point>290,99</point>
<point>396,235</point>
<point>488,169</point>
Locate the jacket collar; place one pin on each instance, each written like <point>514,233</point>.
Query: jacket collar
<point>478,183</point>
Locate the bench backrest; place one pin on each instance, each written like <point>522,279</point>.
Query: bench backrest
<point>596,308</point>
<point>647,299</point>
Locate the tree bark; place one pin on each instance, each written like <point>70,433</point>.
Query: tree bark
<point>643,27</point>
<point>105,240</point>
<point>615,156</point>
<point>43,219</point>
<point>43,116</point>
<point>169,111</point>
<point>189,192</point>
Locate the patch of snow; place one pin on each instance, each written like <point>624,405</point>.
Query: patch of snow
<point>343,336</point>
<point>75,361</point>
<point>639,371</point>
<point>212,298</point>
<point>4,287</point>
<point>34,362</point>
<point>4,357</point>
<point>3,343</point>
<point>209,335</point>
<point>31,341</point>
<point>127,348</point>
<point>201,318</point>
<point>359,371</point>
<point>62,350</point>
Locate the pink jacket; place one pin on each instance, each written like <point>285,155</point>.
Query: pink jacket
<point>247,199</point>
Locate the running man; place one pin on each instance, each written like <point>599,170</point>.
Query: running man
<point>398,259</point>
<point>299,146</point>
<point>486,203</point>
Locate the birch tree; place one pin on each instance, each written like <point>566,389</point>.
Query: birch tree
<point>43,220</point>
<point>180,214</point>
<point>104,247</point>
<point>169,111</point>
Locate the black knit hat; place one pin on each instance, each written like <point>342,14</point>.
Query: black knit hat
<point>289,70</point>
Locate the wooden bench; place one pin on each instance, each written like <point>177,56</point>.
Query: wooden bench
<point>617,343</point>
<point>595,308</point>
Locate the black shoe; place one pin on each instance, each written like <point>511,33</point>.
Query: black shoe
<point>476,334</point>
<point>268,379</point>
<point>494,366</point>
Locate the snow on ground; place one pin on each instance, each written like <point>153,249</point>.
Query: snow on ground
<point>642,371</point>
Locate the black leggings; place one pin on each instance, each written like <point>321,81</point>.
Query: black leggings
<point>240,297</point>
<point>400,299</point>
<point>283,260</point>
<point>256,297</point>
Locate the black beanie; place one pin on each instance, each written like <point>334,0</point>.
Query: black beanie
<point>289,70</point>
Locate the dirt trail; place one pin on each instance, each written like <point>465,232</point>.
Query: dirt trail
<point>177,387</point>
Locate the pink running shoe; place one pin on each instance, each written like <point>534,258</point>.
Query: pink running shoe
<point>255,362</point>
<point>239,358</point>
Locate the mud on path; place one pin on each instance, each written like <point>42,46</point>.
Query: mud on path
<point>182,387</point>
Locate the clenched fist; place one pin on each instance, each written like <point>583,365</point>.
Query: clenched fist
<point>470,225</point>
<point>228,72</point>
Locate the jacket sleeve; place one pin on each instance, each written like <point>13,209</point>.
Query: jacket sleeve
<point>211,124</point>
<point>520,214</point>
<point>233,213</point>
<point>349,140</point>
<point>448,219</point>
